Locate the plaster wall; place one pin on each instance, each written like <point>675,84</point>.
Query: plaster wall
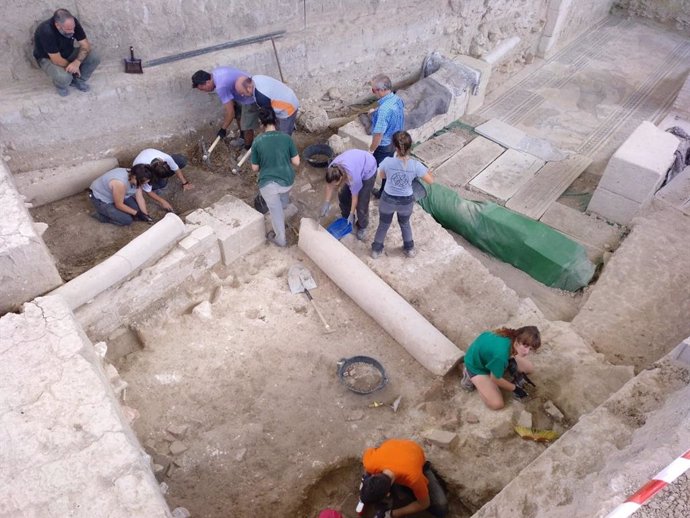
<point>676,12</point>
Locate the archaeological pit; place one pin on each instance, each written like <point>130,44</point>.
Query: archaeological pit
<point>168,370</point>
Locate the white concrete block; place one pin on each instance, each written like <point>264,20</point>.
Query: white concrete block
<point>613,207</point>
<point>476,100</point>
<point>639,166</point>
<point>238,227</point>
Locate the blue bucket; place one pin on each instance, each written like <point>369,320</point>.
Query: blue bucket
<point>339,228</point>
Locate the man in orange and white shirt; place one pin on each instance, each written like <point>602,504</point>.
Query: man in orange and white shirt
<point>271,93</point>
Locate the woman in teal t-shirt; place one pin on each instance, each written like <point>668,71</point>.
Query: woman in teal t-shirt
<point>274,157</point>
<point>488,357</point>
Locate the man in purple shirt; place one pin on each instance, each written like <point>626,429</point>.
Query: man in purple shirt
<point>354,174</point>
<point>224,81</point>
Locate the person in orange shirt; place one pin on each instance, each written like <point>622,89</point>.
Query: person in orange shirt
<point>400,481</point>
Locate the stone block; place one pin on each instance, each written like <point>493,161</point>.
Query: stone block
<point>441,438</point>
<point>437,150</point>
<point>595,234</point>
<point>476,99</point>
<point>639,165</point>
<point>677,191</point>
<point>468,162</point>
<point>613,207</point>
<point>512,137</point>
<point>27,268</point>
<point>238,227</point>
<point>178,447</point>
<point>507,174</point>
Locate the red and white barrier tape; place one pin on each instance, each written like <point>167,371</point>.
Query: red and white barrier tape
<point>651,488</point>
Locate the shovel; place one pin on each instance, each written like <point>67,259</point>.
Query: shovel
<point>133,66</point>
<point>301,281</point>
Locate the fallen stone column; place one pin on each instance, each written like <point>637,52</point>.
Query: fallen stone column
<point>141,249</point>
<point>48,185</point>
<point>393,313</point>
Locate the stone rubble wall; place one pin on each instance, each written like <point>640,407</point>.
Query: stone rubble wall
<point>676,12</point>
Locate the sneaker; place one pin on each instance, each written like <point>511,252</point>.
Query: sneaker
<point>410,253</point>
<point>361,233</point>
<point>271,236</point>
<point>375,254</point>
<point>466,382</point>
<point>80,85</point>
<point>62,92</point>
<point>237,143</point>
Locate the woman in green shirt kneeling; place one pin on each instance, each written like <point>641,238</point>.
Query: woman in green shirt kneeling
<point>488,357</point>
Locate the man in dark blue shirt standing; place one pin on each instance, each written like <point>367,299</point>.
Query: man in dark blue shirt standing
<point>64,53</point>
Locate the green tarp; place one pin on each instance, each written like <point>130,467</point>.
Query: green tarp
<point>537,249</point>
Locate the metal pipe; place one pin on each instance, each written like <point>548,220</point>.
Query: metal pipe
<point>214,48</point>
<point>275,51</point>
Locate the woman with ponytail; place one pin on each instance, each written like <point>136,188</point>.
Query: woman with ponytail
<point>494,352</point>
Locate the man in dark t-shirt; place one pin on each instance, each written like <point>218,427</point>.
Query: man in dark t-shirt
<point>64,53</point>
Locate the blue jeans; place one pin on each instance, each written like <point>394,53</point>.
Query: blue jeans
<point>61,78</point>
<point>389,205</point>
<point>111,213</point>
<point>277,197</point>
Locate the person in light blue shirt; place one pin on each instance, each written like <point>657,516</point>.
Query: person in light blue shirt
<point>386,119</point>
<point>400,171</point>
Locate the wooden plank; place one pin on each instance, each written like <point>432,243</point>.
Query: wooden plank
<point>535,196</point>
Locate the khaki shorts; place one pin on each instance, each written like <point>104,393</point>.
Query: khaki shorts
<point>249,116</point>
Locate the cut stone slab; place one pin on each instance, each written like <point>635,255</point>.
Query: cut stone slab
<point>468,162</point>
<point>441,438</point>
<point>507,174</point>
<point>596,235</point>
<point>682,102</point>
<point>677,191</point>
<point>613,207</point>
<point>238,226</point>
<point>548,184</point>
<point>638,167</point>
<point>437,150</point>
<point>512,137</point>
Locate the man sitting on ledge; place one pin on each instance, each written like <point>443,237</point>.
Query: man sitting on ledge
<point>64,53</point>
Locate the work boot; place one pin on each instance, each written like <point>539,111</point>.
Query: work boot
<point>62,91</point>
<point>375,254</point>
<point>361,233</point>
<point>80,85</point>
<point>410,253</point>
<point>466,382</point>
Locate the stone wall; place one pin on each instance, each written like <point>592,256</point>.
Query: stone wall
<point>27,268</point>
<point>676,12</point>
<point>334,43</point>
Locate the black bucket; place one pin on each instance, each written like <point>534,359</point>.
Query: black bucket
<point>372,378</point>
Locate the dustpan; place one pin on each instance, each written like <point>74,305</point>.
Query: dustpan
<point>339,228</point>
<point>133,66</point>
